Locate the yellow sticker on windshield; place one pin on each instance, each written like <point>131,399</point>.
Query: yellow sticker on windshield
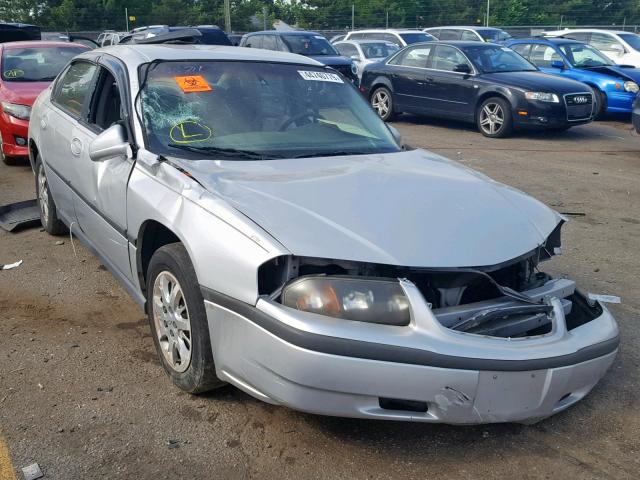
<point>190,132</point>
<point>193,83</point>
<point>14,73</point>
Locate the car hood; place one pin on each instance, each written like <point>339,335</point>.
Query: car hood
<point>536,81</point>
<point>23,93</point>
<point>626,72</point>
<point>331,60</point>
<point>408,208</point>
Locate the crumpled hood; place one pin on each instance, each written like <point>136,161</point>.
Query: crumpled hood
<point>409,208</point>
<point>23,93</point>
<point>627,73</point>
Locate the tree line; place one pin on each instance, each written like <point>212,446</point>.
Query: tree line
<point>247,15</point>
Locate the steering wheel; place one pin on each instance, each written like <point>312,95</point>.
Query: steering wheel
<point>295,119</point>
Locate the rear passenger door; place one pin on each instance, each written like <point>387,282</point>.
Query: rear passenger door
<point>101,186</point>
<point>70,97</point>
<point>411,89</point>
<point>451,93</point>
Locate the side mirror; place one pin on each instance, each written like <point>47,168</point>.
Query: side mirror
<point>462,68</point>
<point>557,64</point>
<point>395,134</point>
<point>110,144</point>
<point>617,49</point>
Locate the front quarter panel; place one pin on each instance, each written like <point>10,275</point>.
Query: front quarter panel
<point>225,255</point>
<point>39,107</point>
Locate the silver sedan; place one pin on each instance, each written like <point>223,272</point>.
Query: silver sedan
<point>281,239</point>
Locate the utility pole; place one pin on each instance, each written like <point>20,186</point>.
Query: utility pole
<point>353,17</point>
<point>488,7</point>
<point>126,17</point>
<point>387,19</point>
<point>227,16</point>
<point>264,18</point>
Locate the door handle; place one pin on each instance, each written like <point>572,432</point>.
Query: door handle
<point>76,147</point>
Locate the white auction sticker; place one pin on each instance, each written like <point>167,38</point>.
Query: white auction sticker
<point>320,76</point>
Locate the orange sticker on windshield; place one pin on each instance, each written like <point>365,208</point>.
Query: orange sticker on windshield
<point>193,83</point>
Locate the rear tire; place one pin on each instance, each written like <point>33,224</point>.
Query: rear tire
<point>178,320</point>
<point>494,118</point>
<point>382,103</point>
<point>48,211</point>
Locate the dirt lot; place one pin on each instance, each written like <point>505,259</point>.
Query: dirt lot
<point>82,394</point>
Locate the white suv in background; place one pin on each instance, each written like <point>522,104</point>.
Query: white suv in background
<point>621,47</point>
<point>402,38</point>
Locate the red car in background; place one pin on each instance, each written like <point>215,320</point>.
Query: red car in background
<point>26,69</point>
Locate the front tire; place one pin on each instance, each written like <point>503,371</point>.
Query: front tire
<point>494,118</point>
<point>382,103</point>
<point>178,320</point>
<point>600,110</point>
<point>48,211</point>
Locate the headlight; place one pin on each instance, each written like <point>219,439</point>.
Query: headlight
<point>22,112</point>
<point>354,68</point>
<point>631,87</point>
<point>370,300</point>
<point>542,97</point>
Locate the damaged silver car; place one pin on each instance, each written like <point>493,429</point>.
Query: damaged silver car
<point>281,240</point>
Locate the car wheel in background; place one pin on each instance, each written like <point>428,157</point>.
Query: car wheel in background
<point>382,103</point>
<point>494,118</point>
<point>178,320</point>
<point>600,109</point>
<point>48,212</point>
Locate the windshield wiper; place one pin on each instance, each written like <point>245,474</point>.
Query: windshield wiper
<point>225,152</point>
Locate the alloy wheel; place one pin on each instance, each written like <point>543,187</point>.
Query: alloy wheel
<point>380,102</point>
<point>172,322</point>
<point>491,118</point>
<point>43,195</point>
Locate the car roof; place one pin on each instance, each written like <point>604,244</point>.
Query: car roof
<point>548,40</point>
<point>284,32</point>
<point>604,30</point>
<point>388,30</point>
<point>460,43</point>
<point>40,44</point>
<point>466,27</point>
<point>364,41</point>
<point>136,54</point>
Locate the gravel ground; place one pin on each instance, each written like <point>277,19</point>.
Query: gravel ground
<point>82,392</point>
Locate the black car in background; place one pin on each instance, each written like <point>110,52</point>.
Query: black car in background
<point>209,34</point>
<point>17,32</point>
<point>483,83</point>
<point>309,44</point>
<point>635,116</point>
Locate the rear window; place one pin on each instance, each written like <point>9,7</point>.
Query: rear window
<point>410,38</point>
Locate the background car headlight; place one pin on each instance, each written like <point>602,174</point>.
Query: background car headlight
<point>542,97</point>
<point>631,87</point>
<point>22,112</point>
<point>370,300</point>
<point>354,68</point>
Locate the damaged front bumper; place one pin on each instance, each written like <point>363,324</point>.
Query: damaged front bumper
<point>421,372</point>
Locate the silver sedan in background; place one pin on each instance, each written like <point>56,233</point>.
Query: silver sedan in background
<point>281,238</point>
<point>365,52</point>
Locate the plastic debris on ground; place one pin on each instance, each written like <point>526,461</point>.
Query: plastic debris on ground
<point>9,266</point>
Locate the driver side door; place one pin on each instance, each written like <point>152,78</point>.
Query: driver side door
<point>101,188</point>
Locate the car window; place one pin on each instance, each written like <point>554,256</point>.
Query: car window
<point>413,57</point>
<point>269,42</point>
<point>493,34</point>
<point>489,58</point>
<point>543,55</point>
<point>448,58</point>
<point>378,50</point>
<point>271,109</point>
<point>632,39</point>
<point>580,36</point>
<point>522,49</point>
<point>105,108</point>
<point>346,49</point>
<point>584,56</point>
<point>417,37</point>
<point>449,34</point>
<point>254,41</point>
<point>469,36</point>
<point>605,42</point>
<point>73,87</point>
<point>435,32</point>
<point>356,36</point>
<point>390,37</point>
<point>36,64</point>
<point>310,44</point>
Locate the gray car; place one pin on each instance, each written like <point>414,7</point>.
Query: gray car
<point>280,239</point>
